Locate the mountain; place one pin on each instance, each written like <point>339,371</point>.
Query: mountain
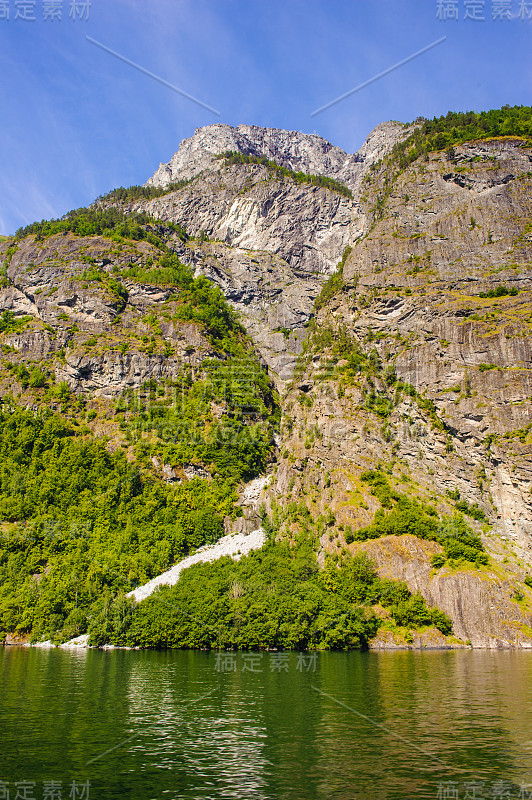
<point>271,239</point>
<point>354,327</point>
<point>299,152</point>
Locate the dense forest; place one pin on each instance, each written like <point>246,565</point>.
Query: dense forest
<point>79,523</point>
<point>277,597</point>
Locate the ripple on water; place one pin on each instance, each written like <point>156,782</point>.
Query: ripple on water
<point>168,724</point>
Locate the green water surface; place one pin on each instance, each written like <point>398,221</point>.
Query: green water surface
<point>143,724</point>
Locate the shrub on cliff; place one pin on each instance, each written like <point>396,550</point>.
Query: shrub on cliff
<point>410,516</point>
<point>234,157</point>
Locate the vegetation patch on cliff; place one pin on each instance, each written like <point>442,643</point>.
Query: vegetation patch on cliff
<point>500,291</point>
<point>344,358</point>
<point>222,418</point>
<point>458,127</point>
<point>407,515</point>
<point>131,194</point>
<point>101,221</point>
<point>334,283</point>
<point>234,157</point>
<point>9,323</point>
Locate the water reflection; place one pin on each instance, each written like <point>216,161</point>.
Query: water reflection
<point>150,725</point>
<point>191,723</point>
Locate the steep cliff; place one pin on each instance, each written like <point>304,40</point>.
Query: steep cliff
<point>419,362</point>
<point>273,238</point>
<point>391,307</point>
<point>296,151</point>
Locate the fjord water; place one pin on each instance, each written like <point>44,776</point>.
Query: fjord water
<point>144,724</point>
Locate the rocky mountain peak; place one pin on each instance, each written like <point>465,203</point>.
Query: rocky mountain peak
<point>293,150</point>
<point>306,232</point>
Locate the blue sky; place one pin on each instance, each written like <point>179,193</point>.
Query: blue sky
<point>76,121</point>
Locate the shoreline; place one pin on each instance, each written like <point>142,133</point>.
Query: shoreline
<point>67,646</point>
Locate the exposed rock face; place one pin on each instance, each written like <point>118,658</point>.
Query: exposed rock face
<point>249,208</point>
<point>479,603</point>
<point>471,356</point>
<point>274,303</point>
<point>297,151</point>
<point>301,231</point>
<point>411,301</point>
<point>77,325</point>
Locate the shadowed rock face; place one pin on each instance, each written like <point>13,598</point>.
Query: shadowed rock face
<point>274,304</point>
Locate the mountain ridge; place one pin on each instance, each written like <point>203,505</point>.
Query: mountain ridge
<point>293,150</point>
